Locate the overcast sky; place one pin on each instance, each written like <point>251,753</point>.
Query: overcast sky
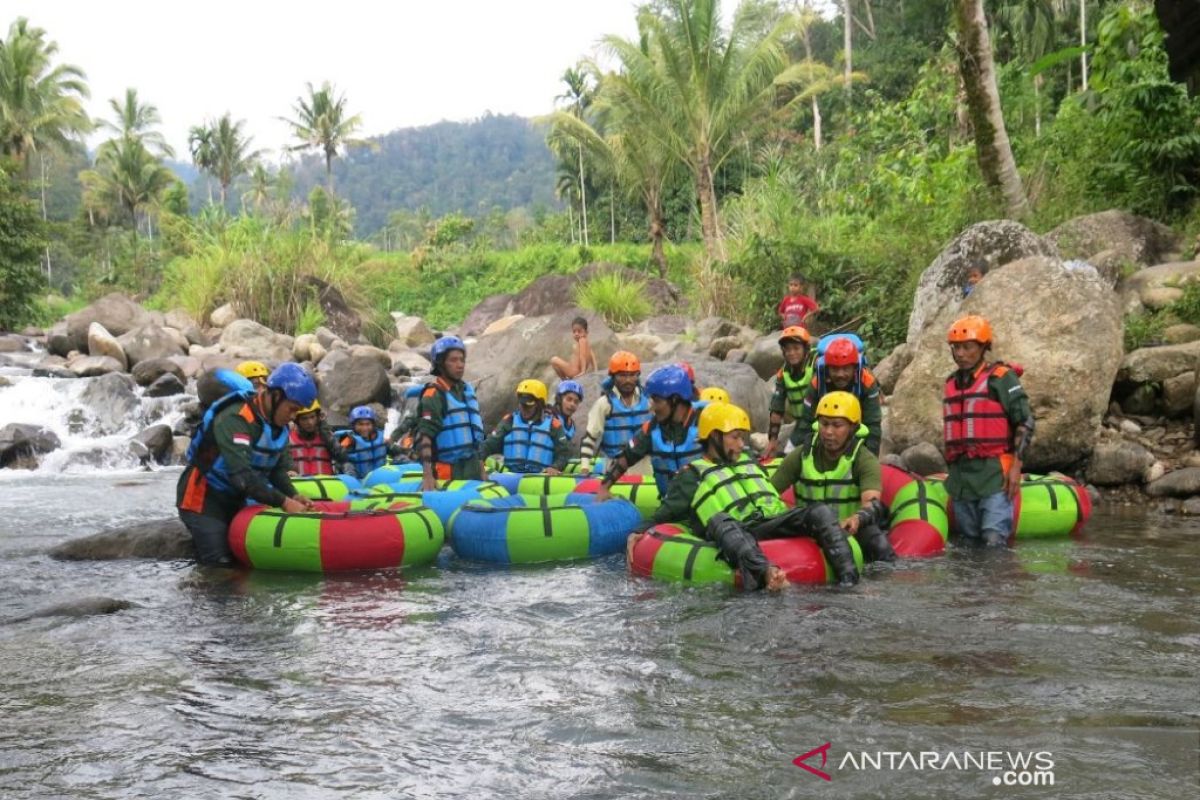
<point>407,62</point>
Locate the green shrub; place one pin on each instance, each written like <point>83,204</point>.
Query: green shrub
<point>1143,329</point>
<point>619,301</point>
<point>1187,308</point>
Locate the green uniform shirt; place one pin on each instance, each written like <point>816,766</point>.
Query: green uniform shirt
<point>865,469</point>
<point>872,412</point>
<point>676,506</point>
<point>494,444</point>
<point>977,478</point>
<point>271,490</point>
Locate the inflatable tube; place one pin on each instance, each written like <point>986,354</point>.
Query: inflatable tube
<point>894,479</point>
<point>485,489</point>
<point>918,515</point>
<point>673,553</point>
<point>390,473</point>
<point>529,530</point>
<point>336,538</point>
<point>443,502</point>
<point>325,487</point>
<point>537,484</point>
<point>637,489</point>
<point>1047,506</point>
<point>599,465</point>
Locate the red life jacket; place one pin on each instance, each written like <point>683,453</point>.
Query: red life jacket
<point>975,424</point>
<point>310,456</point>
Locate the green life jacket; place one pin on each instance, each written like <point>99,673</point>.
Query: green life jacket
<point>796,388</point>
<point>836,488</point>
<point>739,489</point>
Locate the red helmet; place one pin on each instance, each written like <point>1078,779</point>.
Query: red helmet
<point>841,353</point>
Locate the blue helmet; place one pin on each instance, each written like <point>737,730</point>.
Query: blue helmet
<point>295,383</point>
<point>444,345</point>
<point>234,381</point>
<point>361,412</point>
<point>670,381</point>
<point>568,386</point>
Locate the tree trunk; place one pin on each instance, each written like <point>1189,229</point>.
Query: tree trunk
<point>582,199</point>
<point>222,197</point>
<point>329,172</point>
<point>1083,42</point>
<point>847,25</point>
<point>992,148</point>
<point>49,268</point>
<point>612,213</point>
<point>816,123</point>
<point>710,226</point>
<point>658,229</point>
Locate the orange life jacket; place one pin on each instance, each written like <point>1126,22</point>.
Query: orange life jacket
<point>974,423</point>
<point>310,456</point>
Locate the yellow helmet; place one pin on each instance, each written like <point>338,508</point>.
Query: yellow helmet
<point>253,369</point>
<point>723,417</point>
<point>313,409</point>
<point>840,404</point>
<point>533,387</point>
<point>715,394</point>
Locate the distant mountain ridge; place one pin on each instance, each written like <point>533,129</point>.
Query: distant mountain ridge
<point>496,160</point>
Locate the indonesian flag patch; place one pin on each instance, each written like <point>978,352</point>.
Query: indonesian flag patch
<point>242,439</point>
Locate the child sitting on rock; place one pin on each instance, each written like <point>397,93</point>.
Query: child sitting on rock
<point>582,358</point>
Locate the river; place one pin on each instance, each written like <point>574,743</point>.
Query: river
<point>577,681</point>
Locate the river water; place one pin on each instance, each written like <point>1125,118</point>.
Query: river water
<point>578,681</point>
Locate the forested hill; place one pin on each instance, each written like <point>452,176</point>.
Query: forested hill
<point>451,166</point>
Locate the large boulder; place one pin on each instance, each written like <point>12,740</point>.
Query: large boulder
<point>1117,463</point>
<point>412,331</point>
<point>550,294</point>
<point>1130,238</point>
<point>166,385</point>
<point>102,343</point>
<point>1160,285</point>
<point>18,439</point>
<point>339,316</point>
<point>163,539</point>
<point>765,356</point>
<point>889,370</point>
<point>111,400</point>
<point>350,380</point>
<point>153,444</point>
<point>223,315</point>
<point>1180,483</point>
<point>58,340</point>
<point>486,312</point>
<point>246,339</point>
<point>92,366</point>
<point>1063,326</point>
<point>988,245</point>
<point>1156,364</point>
<point>116,312</point>
<point>150,341</point>
<point>151,369</point>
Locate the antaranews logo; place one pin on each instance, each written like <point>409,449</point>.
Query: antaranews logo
<point>1005,767</point>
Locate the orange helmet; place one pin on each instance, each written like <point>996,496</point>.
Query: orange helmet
<point>795,333</point>
<point>841,353</point>
<point>623,361</point>
<point>971,328</point>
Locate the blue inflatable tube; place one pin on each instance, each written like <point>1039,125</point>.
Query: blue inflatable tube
<point>443,502</point>
<point>390,473</point>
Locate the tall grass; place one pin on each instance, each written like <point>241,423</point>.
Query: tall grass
<point>621,302</point>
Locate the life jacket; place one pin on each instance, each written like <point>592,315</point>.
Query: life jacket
<point>265,451</point>
<point>568,424</point>
<point>739,489</point>
<point>310,456</point>
<point>666,457</point>
<point>529,447</point>
<point>796,388</point>
<point>623,422</point>
<point>974,422</point>
<point>366,454</point>
<point>835,488</point>
<point>462,425</point>
<point>864,381</point>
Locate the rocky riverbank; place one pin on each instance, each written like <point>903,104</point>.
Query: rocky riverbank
<point>1120,420</point>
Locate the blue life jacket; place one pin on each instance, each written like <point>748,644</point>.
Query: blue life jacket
<point>667,458</point>
<point>462,427</point>
<point>265,452</point>
<point>568,425</point>
<point>529,447</point>
<point>367,454</point>
<point>623,422</point>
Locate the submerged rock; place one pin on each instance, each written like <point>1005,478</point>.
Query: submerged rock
<point>153,444</point>
<point>82,607</point>
<point>164,539</point>
<point>19,441</point>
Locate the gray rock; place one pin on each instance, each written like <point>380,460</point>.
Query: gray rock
<point>712,328</point>
<point>58,339</point>
<point>765,356</point>
<point>924,458</point>
<point>166,385</point>
<point>246,339</point>
<point>991,244</point>
<point>369,351</point>
<point>888,371</point>
<point>1159,363</point>
<point>327,338</point>
<point>111,398</point>
<point>412,331</point>
<point>148,371</point>
<point>1071,346</point>
<point>1180,483</point>
<point>116,312</point>
<point>1117,463</point>
<point>18,439</point>
<point>179,448</point>
<point>736,355</point>
<point>1190,507</point>
<point>1178,394</point>
<point>551,294</point>
<point>179,318</point>
<point>1181,333</point>
<point>224,315</point>
<point>51,371</point>
<point>153,444</point>
<point>664,325</point>
<point>352,380</point>
<point>1172,274</point>
<point>1156,298</point>
<point>1154,472</point>
<point>91,366</point>
<point>83,607</point>
<point>102,343</point>
<point>149,341</point>
<point>163,540</point>
<point>413,362</point>
<point>485,313</point>
<point>11,343</point>
<point>302,347</point>
<point>1133,239</point>
<point>718,348</point>
<point>316,353</point>
<point>1129,426</point>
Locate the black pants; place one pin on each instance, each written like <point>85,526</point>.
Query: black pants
<point>210,526</point>
<point>738,541</point>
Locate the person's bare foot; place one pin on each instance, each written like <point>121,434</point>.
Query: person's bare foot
<point>776,579</point>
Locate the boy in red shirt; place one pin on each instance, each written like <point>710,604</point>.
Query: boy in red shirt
<point>795,307</point>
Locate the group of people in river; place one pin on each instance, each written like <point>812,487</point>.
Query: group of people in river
<point>269,427</point>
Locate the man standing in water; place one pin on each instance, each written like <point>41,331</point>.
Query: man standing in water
<point>239,453</point>
<point>449,426</point>
<point>987,426</point>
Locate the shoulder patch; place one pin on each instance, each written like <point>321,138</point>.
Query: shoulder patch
<point>246,413</point>
<point>1000,370</point>
<point>430,390</point>
<point>868,378</point>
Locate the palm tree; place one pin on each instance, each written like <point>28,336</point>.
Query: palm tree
<point>232,156</point>
<point>201,145</point>
<point>40,102</point>
<point>136,121</point>
<point>579,96</point>
<point>129,176</point>
<point>992,148</point>
<point>320,121</point>
<point>262,189</point>
<point>708,87</point>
